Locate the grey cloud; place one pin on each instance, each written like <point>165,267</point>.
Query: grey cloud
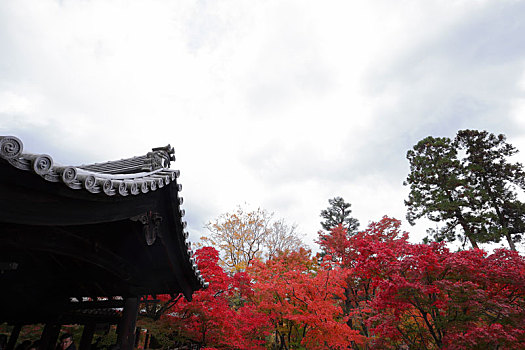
<point>11,64</point>
<point>203,28</point>
<point>279,82</point>
<point>280,163</point>
<point>286,83</point>
<point>197,215</point>
<point>494,36</point>
<point>466,77</point>
<point>46,139</point>
<point>287,68</point>
<point>489,37</point>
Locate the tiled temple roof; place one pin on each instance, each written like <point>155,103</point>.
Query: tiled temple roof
<point>129,177</point>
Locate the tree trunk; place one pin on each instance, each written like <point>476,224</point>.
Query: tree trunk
<point>511,243</point>
<point>466,228</point>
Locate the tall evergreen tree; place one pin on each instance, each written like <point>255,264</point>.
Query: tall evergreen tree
<point>438,189</point>
<point>494,181</point>
<point>338,213</point>
<point>467,183</point>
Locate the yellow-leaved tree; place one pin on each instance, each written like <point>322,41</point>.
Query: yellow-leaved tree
<point>282,238</point>
<point>243,236</point>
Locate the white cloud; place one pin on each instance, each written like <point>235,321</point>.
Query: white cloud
<point>282,104</point>
<point>14,104</point>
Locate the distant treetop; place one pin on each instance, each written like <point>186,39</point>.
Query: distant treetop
<point>338,213</point>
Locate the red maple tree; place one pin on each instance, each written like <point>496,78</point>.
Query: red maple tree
<point>219,316</point>
<point>373,290</point>
<point>302,300</point>
<point>401,294</point>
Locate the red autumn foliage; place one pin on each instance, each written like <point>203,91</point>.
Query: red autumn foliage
<point>218,316</point>
<point>373,290</point>
<point>302,300</point>
<point>424,296</point>
<point>360,263</point>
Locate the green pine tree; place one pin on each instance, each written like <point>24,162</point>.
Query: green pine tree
<point>338,213</point>
<point>467,185</point>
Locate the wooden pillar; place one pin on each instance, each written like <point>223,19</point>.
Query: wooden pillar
<point>13,337</point>
<point>87,336</point>
<point>146,342</point>
<point>126,329</point>
<point>49,336</point>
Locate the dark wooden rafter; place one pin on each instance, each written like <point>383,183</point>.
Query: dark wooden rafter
<point>66,243</point>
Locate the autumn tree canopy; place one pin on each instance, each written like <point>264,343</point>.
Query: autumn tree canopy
<point>301,298</point>
<point>373,290</point>
<point>212,318</point>
<point>246,235</point>
<point>423,296</point>
<point>282,237</point>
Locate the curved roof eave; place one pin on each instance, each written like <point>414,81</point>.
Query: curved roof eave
<point>122,177</point>
<point>132,176</point>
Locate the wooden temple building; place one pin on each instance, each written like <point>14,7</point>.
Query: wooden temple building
<point>84,244</point>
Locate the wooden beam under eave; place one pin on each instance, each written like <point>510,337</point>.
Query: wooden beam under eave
<point>126,328</point>
<point>87,336</point>
<point>49,336</point>
<point>15,333</point>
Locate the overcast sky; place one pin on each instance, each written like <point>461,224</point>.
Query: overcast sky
<point>279,104</point>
